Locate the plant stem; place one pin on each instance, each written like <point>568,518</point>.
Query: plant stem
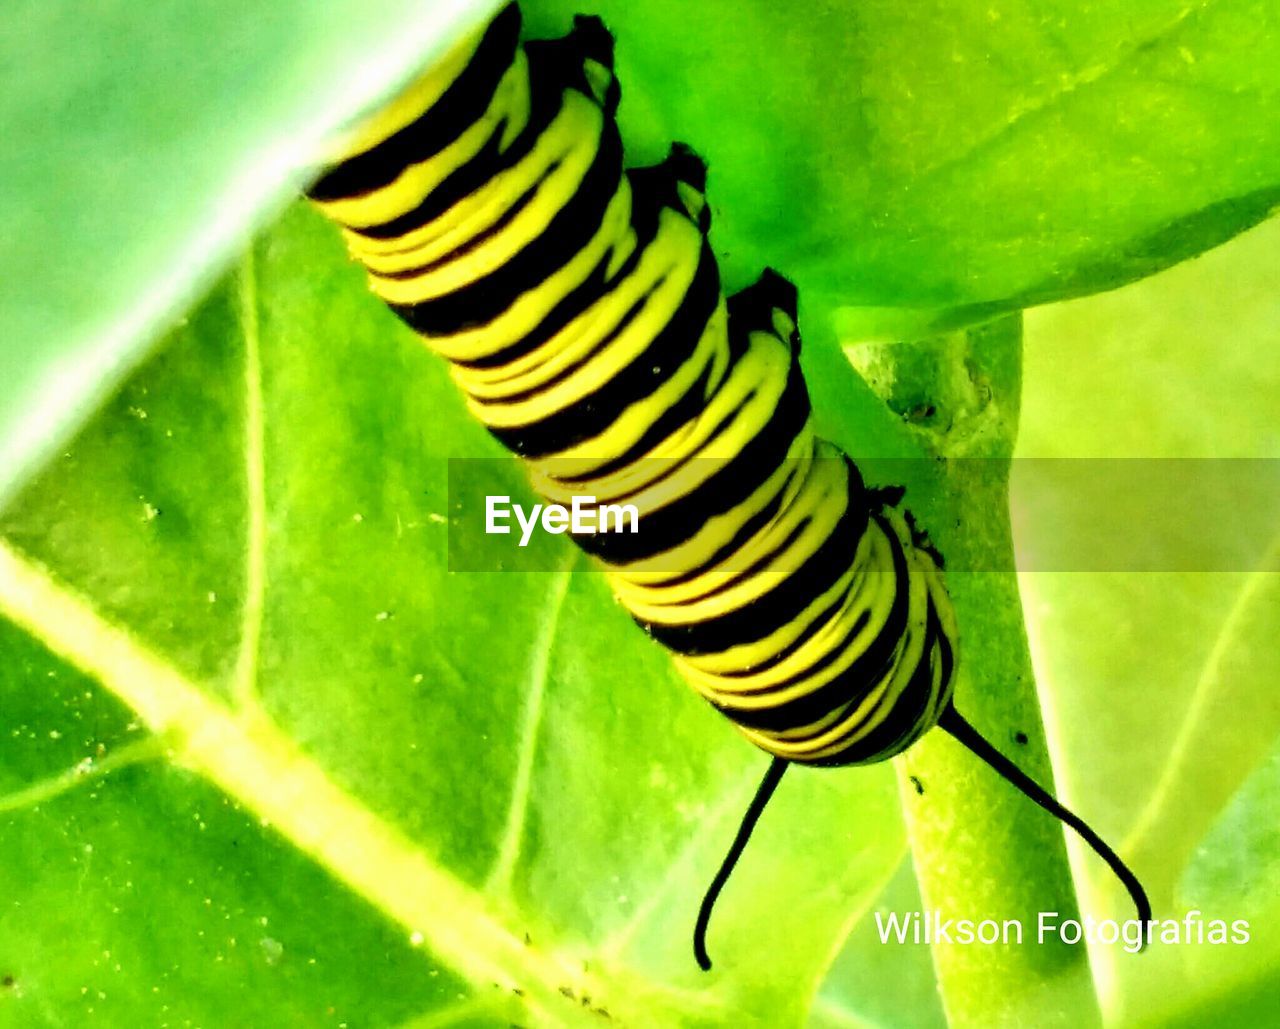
<point>981,850</point>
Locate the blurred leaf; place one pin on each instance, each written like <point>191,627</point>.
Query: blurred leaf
<point>1180,366</point>
<point>949,156</point>
<point>852,994</point>
<point>1250,1001</point>
<point>145,141</point>
<point>1234,867</point>
<point>1160,687</point>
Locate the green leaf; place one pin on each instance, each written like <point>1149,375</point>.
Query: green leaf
<point>854,993</point>
<point>955,154</point>
<point>1160,686</point>
<point>243,560</point>
<point>1234,867</point>
<point>146,142</point>
<point>282,738</point>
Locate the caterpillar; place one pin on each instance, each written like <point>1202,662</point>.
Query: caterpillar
<point>579,306</point>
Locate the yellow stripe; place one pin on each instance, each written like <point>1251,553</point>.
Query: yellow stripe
<point>616,241</point>
<point>562,159</point>
<point>509,109</point>
<point>824,509</point>
<point>870,591</point>
<point>529,310</point>
<point>410,104</point>
<point>880,702</point>
<point>637,419</point>
<point>662,279</point>
<point>748,396</point>
<point>719,530</point>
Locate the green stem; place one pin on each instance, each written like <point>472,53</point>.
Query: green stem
<point>981,850</point>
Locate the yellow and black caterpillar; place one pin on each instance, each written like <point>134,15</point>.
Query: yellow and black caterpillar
<point>580,307</point>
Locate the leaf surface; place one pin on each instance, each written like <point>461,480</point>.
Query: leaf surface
<point>246,554</point>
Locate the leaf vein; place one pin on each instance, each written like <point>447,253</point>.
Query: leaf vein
<point>1183,753</point>
<point>1072,84</point>
<point>735,798</point>
<point>245,675</point>
<point>531,725</point>
<point>83,773</point>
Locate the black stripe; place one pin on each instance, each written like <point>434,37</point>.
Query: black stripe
<point>903,724</point>
<point>778,606</point>
<point>660,183</point>
<point>565,310</point>
<point>749,529</point>
<point>548,81</point>
<point>563,60</point>
<point>472,175</point>
<point>628,316</point>
<point>555,66</point>
<point>652,191</point>
<point>851,685</point>
<point>454,187</point>
<point>759,560</point>
<point>473,243</point>
<point>644,222</point>
<point>806,634</point>
<point>727,487</point>
<point>752,308</point>
<point>458,108</point>
<point>591,415</point>
<point>857,499</point>
<point>570,229</point>
<point>684,410</point>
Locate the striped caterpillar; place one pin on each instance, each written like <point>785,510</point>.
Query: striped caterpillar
<point>580,309</point>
